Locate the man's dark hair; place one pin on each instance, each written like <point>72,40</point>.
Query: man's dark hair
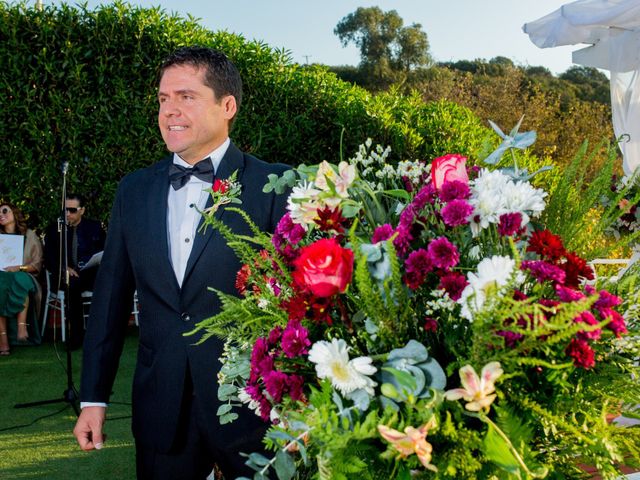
<point>75,196</point>
<point>221,75</point>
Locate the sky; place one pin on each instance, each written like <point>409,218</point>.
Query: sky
<point>456,29</point>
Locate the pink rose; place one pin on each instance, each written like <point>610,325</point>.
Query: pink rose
<point>448,168</point>
<point>324,267</point>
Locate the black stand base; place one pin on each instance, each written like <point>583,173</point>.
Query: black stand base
<point>68,396</point>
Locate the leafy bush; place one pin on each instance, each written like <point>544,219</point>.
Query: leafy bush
<point>79,85</point>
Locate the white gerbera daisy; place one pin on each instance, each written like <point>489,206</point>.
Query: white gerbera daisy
<point>332,362</point>
<point>493,273</point>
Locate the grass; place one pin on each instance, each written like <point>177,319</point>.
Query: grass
<point>37,442</point>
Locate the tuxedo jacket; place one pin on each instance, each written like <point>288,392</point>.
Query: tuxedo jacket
<point>136,256</point>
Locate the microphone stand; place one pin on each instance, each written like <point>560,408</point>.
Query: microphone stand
<point>70,395</point>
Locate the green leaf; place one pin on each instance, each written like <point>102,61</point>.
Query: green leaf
<point>284,465</point>
<point>404,379</point>
<point>228,418</point>
<point>226,390</point>
<point>224,408</point>
<point>258,459</point>
<point>497,450</point>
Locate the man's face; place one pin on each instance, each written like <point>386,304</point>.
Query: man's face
<point>192,121</point>
<point>73,212</point>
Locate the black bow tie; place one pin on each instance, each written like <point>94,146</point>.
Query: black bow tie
<point>179,175</point>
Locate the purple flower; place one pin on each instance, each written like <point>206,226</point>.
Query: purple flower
<point>417,266</point>
<point>454,190</point>
<point>607,300</point>
<point>261,361</point>
<point>510,224</point>
<point>295,339</point>
<point>256,395</point>
<point>588,318</point>
<point>403,240</point>
<point>275,383</point>
<point>424,196</point>
<point>453,283</point>
<point>544,271</point>
<point>274,336</point>
<point>567,294</point>
<point>289,230</point>
<point>418,262</point>
<point>295,384</point>
<point>443,253</point>
<point>287,234</point>
<point>456,212</point>
<point>383,232</point>
<point>616,323</point>
<point>510,338</point>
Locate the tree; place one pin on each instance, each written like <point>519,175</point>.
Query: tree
<point>387,48</point>
<point>592,85</point>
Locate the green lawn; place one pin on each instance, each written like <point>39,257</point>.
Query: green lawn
<point>37,442</point>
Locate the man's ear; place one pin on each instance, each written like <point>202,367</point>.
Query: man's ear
<point>230,107</point>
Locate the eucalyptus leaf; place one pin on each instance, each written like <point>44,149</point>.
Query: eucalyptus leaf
<point>360,399</point>
<point>228,418</point>
<point>224,408</point>
<point>414,350</point>
<point>284,465</point>
<point>225,390</point>
<point>258,459</point>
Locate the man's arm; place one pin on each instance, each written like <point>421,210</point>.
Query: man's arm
<point>105,330</point>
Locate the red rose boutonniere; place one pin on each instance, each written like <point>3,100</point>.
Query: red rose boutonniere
<point>224,192</point>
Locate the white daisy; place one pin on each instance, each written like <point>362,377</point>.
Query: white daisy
<point>493,273</point>
<point>332,362</point>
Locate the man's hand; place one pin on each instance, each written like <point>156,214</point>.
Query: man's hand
<point>72,272</point>
<point>88,429</point>
<point>12,268</point>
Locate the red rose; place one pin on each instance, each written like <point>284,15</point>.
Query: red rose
<point>324,268</point>
<point>220,186</point>
<point>448,168</point>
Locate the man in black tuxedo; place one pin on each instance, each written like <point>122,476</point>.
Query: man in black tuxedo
<point>154,244</point>
<point>85,238</point>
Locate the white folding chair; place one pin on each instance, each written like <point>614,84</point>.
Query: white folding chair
<point>86,306</point>
<point>55,301</point>
<point>609,261</point>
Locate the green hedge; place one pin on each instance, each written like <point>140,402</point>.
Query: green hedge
<point>79,85</point>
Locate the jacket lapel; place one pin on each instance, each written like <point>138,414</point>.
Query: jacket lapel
<point>233,160</point>
<point>157,208</point>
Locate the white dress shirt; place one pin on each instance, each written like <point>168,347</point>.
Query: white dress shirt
<point>183,219</point>
<point>183,212</point>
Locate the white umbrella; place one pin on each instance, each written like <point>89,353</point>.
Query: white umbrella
<point>612,28</point>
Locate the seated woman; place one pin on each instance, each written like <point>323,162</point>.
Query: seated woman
<point>18,283</point>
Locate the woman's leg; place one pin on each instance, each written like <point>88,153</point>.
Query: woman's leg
<point>4,339</point>
<point>21,318</point>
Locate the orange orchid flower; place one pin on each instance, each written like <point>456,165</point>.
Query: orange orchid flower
<point>413,440</point>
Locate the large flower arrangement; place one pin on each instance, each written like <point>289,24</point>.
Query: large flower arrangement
<point>414,322</point>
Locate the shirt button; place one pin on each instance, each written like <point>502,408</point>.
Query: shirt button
<point>185,317</point>
<point>187,240</point>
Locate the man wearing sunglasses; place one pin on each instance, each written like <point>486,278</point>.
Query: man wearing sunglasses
<point>85,238</point>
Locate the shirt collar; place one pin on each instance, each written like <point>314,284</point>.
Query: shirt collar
<point>215,156</point>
